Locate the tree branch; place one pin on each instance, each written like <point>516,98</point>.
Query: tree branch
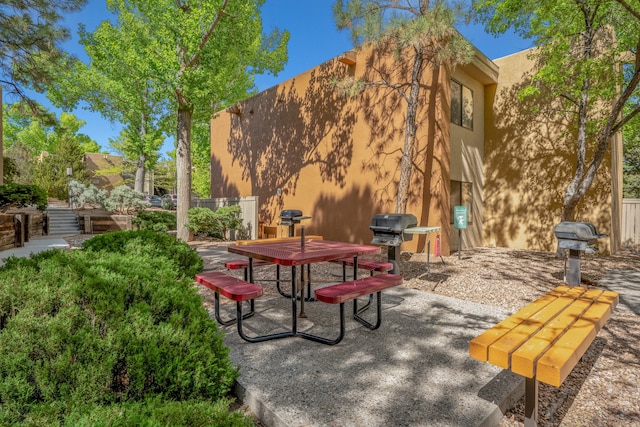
<point>627,6</point>
<point>207,35</point>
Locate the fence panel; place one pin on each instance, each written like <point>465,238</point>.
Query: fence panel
<point>248,206</point>
<point>630,222</point>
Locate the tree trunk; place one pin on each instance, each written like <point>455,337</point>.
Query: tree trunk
<point>406,164</point>
<point>142,158</point>
<point>140,173</point>
<point>183,166</point>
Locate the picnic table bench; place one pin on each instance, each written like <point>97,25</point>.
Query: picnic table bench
<point>545,340</point>
<point>350,291</point>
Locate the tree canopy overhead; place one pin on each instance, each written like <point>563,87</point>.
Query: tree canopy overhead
<point>30,34</point>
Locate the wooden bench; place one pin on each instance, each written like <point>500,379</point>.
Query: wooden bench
<point>238,291</point>
<point>347,291</point>
<point>546,339</point>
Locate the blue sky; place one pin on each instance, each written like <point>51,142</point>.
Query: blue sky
<point>314,39</point>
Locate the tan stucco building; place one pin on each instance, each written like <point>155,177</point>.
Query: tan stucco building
<point>303,144</point>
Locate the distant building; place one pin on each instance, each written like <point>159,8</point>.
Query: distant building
<point>304,145</point>
<point>105,170</point>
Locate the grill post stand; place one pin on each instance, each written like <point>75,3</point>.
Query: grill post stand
<point>573,270</point>
<point>392,257</point>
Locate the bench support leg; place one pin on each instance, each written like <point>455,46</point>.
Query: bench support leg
<point>356,313</point>
<point>230,321</point>
<point>258,338</point>
<point>323,340</point>
<point>530,402</point>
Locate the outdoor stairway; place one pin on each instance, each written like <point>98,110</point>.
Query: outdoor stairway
<point>62,221</point>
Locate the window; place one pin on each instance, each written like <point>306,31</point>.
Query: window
<point>461,105</point>
<point>462,195</point>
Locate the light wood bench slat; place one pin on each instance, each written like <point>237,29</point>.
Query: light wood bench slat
<point>546,339</point>
<point>479,346</point>
<point>523,360</point>
<point>500,351</point>
<point>558,362</point>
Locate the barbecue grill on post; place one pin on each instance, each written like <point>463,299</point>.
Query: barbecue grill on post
<point>291,217</point>
<point>578,237</point>
<point>388,230</point>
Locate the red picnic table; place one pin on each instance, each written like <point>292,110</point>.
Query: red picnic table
<point>298,253</point>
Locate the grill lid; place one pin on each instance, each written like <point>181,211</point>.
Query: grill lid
<point>582,231</point>
<point>290,213</point>
<point>392,223</point>
<point>388,229</point>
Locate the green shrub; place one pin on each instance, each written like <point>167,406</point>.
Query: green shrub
<point>186,261</point>
<point>82,195</point>
<point>167,204</point>
<point>22,195</point>
<point>125,200</point>
<point>205,222</point>
<point>155,221</point>
<point>158,413</point>
<point>108,338</point>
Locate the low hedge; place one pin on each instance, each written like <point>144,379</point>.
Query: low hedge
<point>112,335</point>
<point>185,259</point>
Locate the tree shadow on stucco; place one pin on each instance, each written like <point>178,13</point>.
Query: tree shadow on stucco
<point>220,181</point>
<point>280,132</point>
<point>328,214</point>
<point>380,104</point>
<point>530,159</point>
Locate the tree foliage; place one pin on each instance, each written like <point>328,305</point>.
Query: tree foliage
<point>31,34</point>
<point>422,32</point>
<point>19,196</point>
<point>205,55</point>
<point>118,83</point>
<point>631,178</point>
<point>588,61</point>
<point>56,141</point>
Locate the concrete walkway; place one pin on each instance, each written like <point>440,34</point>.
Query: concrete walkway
<point>34,245</point>
<point>413,371</point>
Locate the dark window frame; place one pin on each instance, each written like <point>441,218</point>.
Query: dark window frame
<point>461,97</point>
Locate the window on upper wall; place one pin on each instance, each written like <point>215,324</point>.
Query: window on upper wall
<point>461,105</point>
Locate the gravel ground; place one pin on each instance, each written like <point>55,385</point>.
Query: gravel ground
<point>603,389</point>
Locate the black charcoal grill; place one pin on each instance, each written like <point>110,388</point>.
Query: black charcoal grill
<point>578,237</point>
<point>388,230</point>
<point>291,217</point>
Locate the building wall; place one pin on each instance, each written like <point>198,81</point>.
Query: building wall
<point>528,164</point>
<point>467,156</point>
<point>306,145</point>
<point>104,170</point>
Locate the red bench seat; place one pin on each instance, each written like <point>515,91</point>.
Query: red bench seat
<point>347,291</point>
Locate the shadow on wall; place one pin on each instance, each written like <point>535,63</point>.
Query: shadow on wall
<point>221,181</point>
<point>328,215</point>
<point>529,161</point>
<point>281,132</point>
<point>429,188</point>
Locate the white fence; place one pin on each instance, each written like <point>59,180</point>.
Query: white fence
<point>248,206</point>
<point>630,222</point>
